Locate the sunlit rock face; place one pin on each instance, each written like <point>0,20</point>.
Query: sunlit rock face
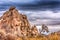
<point>14,18</point>
<point>34,31</point>
<point>14,25</point>
<point>12,21</point>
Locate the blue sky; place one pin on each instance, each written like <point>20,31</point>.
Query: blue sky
<point>38,11</point>
<point>18,1</point>
<point>31,4</point>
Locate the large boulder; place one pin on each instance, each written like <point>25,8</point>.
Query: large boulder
<point>12,21</point>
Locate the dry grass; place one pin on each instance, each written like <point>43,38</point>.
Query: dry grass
<point>49,37</point>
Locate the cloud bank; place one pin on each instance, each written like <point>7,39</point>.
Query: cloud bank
<point>38,11</point>
<point>43,17</point>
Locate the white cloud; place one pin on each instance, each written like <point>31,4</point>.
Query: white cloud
<point>22,1</point>
<point>17,1</point>
<point>43,14</point>
<point>43,17</point>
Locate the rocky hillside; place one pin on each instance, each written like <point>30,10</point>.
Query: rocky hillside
<point>12,21</point>
<point>13,18</point>
<point>14,24</point>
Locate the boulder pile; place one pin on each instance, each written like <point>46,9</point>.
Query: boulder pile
<point>16,24</point>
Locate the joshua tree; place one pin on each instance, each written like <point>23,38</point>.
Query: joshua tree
<point>45,28</point>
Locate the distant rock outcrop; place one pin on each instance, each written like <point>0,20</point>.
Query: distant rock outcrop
<point>34,31</point>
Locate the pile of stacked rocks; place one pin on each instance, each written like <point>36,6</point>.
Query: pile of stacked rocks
<point>14,23</point>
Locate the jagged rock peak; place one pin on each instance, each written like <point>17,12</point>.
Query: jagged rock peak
<point>14,18</point>
<point>12,8</point>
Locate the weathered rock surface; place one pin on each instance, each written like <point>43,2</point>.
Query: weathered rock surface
<point>12,21</point>
<point>13,18</point>
<point>13,24</point>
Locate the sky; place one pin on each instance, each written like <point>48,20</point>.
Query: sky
<point>38,11</point>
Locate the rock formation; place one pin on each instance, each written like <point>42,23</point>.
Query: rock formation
<point>34,31</point>
<point>16,25</point>
<point>13,18</point>
<point>12,21</point>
